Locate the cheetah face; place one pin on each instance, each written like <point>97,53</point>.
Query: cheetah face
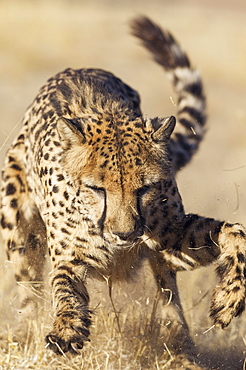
<point>119,182</point>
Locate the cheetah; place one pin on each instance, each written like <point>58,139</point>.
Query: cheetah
<point>91,181</point>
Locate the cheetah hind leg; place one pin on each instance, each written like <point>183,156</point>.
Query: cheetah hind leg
<point>24,235</point>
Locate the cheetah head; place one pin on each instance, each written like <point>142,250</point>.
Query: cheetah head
<point>118,168</point>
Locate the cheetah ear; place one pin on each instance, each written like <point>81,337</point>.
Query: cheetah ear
<point>69,132</point>
<point>163,128</point>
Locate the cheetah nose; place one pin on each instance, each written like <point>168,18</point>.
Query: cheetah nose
<point>124,236</point>
<point>130,235</point>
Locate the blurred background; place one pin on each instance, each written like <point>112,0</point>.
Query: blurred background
<point>39,38</point>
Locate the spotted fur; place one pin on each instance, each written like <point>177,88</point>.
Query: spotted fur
<point>92,181</point>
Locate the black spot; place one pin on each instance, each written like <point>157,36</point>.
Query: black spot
<point>3,222</point>
<point>63,244</point>
<point>10,189</point>
<point>81,240</point>
<point>41,173</point>
<point>238,270</point>
<point>17,217</point>
<point>16,167</point>
<point>138,161</point>
<point>240,257</point>
<point>56,143</point>
<point>46,156</point>
<point>228,224</point>
<point>55,189</point>
<point>65,231</point>
<point>14,203</point>
<point>66,196</point>
<point>241,233</point>
<point>11,244</point>
<point>18,277</point>
<point>20,137</point>
<point>60,177</point>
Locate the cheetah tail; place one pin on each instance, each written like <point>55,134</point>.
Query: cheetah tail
<point>191,106</point>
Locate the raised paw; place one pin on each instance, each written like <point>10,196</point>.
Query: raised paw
<point>70,331</point>
<point>229,295</point>
<point>227,302</point>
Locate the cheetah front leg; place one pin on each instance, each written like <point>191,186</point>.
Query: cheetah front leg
<point>205,240</point>
<point>175,328</point>
<point>72,316</point>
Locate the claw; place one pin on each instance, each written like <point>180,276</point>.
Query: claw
<point>51,340</point>
<point>76,347</point>
<point>54,345</point>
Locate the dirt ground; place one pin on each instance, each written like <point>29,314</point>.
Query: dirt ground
<point>40,38</point>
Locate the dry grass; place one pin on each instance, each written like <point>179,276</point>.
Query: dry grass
<point>123,335</point>
<point>38,39</point>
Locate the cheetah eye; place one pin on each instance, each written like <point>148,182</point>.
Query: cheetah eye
<point>99,191</point>
<point>143,190</point>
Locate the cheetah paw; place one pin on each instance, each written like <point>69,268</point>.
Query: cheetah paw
<point>227,302</point>
<point>69,334</point>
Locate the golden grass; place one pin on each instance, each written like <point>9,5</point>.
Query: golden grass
<point>126,337</point>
